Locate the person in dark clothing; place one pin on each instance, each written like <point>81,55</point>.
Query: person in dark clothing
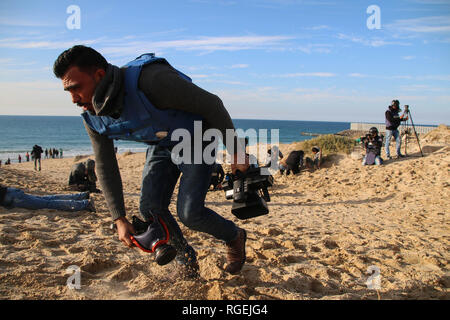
<point>316,162</point>
<point>36,154</point>
<point>372,143</point>
<point>2,194</point>
<point>393,121</point>
<point>217,176</point>
<point>273,156</point>
<point>16,198</point>
<point>27,155</point>
<point>293,162</point>
<point>82,176</point>
<point>112,94</point>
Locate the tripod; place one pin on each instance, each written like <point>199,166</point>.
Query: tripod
<point>408,114</point>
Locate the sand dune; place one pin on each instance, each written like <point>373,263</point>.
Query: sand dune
<point>324,230</point>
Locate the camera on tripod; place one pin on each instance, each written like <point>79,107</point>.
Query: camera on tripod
<point>249,192</point>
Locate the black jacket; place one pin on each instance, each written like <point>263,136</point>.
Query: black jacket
<point>2,194</point>
<point>392,119</point>
<point>295,158</point>
<point>374,145</point>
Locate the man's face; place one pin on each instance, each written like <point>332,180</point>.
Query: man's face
<point>81,86</point>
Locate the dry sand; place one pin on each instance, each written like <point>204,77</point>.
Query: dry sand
<point>324,230</point>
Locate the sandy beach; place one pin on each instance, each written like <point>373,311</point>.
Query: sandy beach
<point>324,230</point>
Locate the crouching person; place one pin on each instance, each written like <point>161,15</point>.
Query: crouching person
<point>82,176</point>
<point>372,143</point>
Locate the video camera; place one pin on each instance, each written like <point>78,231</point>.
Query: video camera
<point>152,237</point>
<point>249,192</point>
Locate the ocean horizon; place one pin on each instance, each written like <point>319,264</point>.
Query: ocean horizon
<point>20,133</point>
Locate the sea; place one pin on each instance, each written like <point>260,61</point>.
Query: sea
<point>18,134</point>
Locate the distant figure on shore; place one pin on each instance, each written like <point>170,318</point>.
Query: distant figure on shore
<point>273,156</point>
<point>46,153</point>
<point>372,143</point>
<point>393,121</point>
<point>217,176</point>
<point>36,154</point>
<point>8,162</point>
<point>27,156</point>
<point>19,158</point>
<point>16,198</point>
<point>293,162</point>
<point>316,161</point>
<point>82,176</point>
<point>0,163</point>
<point>60,153</point>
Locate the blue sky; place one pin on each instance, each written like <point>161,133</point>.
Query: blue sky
<point>266,59</point>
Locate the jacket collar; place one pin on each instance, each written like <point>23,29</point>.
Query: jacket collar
<point>108,96</point>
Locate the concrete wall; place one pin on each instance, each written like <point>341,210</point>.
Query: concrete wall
<point>382,127</point>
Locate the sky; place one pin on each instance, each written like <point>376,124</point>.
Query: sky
<point>323,60</point>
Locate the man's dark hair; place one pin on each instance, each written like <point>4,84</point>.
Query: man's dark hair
<point>85,58</point>
<point>395,103</point>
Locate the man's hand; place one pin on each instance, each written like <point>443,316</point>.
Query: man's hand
<point>239,166</point>
<point>125,230</point>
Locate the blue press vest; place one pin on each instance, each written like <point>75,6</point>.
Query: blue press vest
<point>139,120</point>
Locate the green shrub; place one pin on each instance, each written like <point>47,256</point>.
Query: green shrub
<point>329,144</point>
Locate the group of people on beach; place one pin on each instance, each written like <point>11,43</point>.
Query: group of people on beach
<point>36,155</point>
<point>146,101</point>
<point>53,153</point>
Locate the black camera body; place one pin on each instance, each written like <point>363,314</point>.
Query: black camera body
<point>152,236</point>
<point>249,193</point>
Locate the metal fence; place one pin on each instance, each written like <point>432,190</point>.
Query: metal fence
<point>382,127</point>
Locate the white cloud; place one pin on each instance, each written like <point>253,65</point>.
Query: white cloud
<point>305,74</point>
<point>374,42</point>
<point>205,44</point>
<point>357,75</point>
<point>30,43</point>
<point>20,22</point>
<point>433,24</point>
<point>239,66</point>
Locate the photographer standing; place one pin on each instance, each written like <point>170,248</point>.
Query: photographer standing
<point>393,120</point>
<point>372,143</point>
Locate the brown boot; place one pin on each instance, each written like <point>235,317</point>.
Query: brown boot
<point>236,252</point>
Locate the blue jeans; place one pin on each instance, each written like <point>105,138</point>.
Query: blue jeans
<point>398,141</point>
<point>66,202</point>
<point>378,161</point>
<point>159,178</point>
